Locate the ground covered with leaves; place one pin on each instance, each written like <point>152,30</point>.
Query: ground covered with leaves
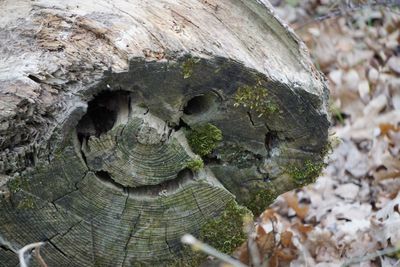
<point>351,215</point>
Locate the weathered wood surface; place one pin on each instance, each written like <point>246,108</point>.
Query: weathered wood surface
<point>125,124</point>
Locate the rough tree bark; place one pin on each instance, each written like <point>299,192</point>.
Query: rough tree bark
<point>125,124</point>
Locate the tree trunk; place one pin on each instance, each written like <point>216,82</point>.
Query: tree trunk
<point>125,124</point>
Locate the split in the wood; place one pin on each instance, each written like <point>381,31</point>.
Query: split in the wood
<point>165,188</point>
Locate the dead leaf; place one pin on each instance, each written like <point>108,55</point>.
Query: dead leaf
<point>286,254</point>
<point>293,202</point>
<point>268,215</point>
<point>273,261</point>
<point>265,241</point>
<point>394,64</point>
<point>243,253</point>
<point>286,239</point>
<point>303,228</point>
<point>386,127</point>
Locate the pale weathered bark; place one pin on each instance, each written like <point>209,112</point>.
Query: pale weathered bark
<point>105,104</point>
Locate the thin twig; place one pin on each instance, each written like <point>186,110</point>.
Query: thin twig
<point>253,251</point>
<point>39,258</point>
<point>22,251</point>
<point>198,245</point>
<point>371,256</point>
<point>341,12</point>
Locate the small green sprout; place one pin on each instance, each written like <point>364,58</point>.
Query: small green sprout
<point>336,113</point>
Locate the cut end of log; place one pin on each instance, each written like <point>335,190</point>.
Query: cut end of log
<point>151,159</point>
<point>153,145</point>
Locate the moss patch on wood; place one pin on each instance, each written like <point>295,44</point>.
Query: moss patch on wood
<point>311,169</point>
<point>187,67</point>
<point>226,232</point>
<point>195,164</point>
<point>260,200</point>
<point>306,174</point>
<point>255,98</point>
<point>26,203</point>
<point>204,138</point>
<point>16,184</point>
<point>187,258</point>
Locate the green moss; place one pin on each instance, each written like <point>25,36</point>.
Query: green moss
<point>336,113</point>
<point>396,254</point>
<point>195,164</point>
<point>188,258</point>
<point>187,67</point>
<point>306,174</point>
<point>225,233</point>
<point>260,200</point>
<point>204,138</point>
<point>333,142</point>
<point>255,98</point>
<point>16,184</point>
<point>26,203</point>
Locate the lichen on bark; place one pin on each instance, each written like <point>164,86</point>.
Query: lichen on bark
<point>255,98</point>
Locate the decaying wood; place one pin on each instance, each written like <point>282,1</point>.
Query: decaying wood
<point>99,101</point>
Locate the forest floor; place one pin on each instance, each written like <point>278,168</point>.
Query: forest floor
<point>351,214</point>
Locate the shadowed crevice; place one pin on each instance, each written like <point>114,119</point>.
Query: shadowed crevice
<point>183,177</point>
<point>34,78</point>
<point>102,113</point>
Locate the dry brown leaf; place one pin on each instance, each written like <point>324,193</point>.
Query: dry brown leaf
<point>303,228</point>
<point>384,174</point>
<point>260,231</point>
<point>273,261</point>
<point>386,127</point>
<point>293,203</point>
<point>265,241</point>
<point>286,239</point>
<point>394,64</point>
<point>243,253</point>
<point>286,254</point>
<point>359,54</point>
<point>268,216</point>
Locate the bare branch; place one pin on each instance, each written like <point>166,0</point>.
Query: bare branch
<point>27,248</point>
<point>198,245</point>
<point>349,9</point>
<point>39,258</point>
<point>371,256</point>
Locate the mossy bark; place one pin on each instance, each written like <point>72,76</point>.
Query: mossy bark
<point>118,137</point>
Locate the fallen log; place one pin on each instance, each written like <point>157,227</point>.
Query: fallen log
<point>125,124</point>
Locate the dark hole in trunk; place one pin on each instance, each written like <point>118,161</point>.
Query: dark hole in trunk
<point>198,104</point>
<point>101,114</point>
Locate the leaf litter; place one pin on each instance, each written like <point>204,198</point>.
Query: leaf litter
<point>351,214</point>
